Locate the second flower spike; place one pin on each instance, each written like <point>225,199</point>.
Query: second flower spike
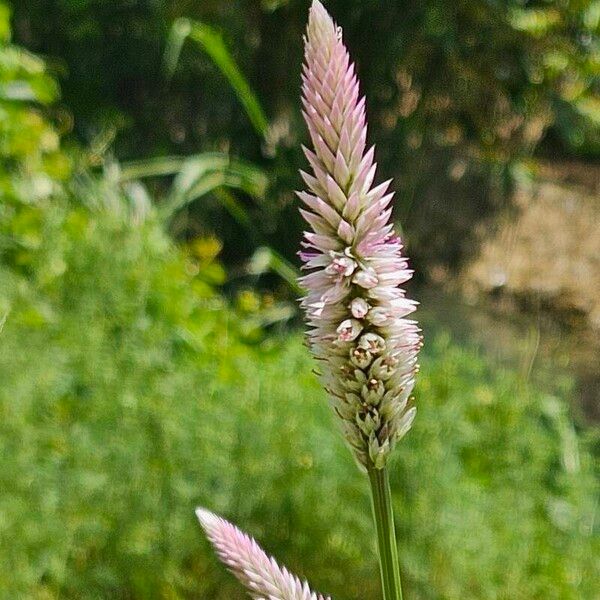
<point>260,574</point>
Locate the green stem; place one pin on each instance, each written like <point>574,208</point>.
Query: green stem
<point>386,534</point>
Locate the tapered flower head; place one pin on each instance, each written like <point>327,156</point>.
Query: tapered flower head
<point>258,573</point>
<point>355,307</point>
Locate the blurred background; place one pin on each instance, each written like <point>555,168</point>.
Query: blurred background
<point>151,355</point>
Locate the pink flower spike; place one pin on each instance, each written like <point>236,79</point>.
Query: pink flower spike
<point>260,574</point>
<point>359,333</point>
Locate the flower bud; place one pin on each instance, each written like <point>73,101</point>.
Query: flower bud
<point>366,278</point>
<point>373,391</point>
<point>359,307</point>
<point>360,357</point>
<point>378,316</point>
<point>349,330</point>
<point>372,342</point>
<point>341,265</point>
<point>384,367</point>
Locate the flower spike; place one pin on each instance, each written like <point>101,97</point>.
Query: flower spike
<point>262,577</point>
<point>355,307</point>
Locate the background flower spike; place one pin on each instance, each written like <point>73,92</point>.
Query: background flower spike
<point>260,574</point>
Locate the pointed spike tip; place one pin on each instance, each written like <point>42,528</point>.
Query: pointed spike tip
<point>207,519</point>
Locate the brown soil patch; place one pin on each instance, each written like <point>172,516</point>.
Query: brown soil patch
<point>548,249</point>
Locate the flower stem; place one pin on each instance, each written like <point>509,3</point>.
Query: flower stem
<point>386,534</point>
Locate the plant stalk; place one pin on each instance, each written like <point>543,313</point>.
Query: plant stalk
<point>386,534</point>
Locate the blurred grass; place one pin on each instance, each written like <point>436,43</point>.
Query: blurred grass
<point>130,394</point>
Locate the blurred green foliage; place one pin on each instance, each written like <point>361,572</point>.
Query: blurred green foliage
<point>32,165</point>
<point>131,393</point>
<point>31,160</point>
<point>457,91</point>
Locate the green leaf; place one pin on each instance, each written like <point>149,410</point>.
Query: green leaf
<point>212,43</point>
<point>266,259</point>
<point>199,175</point>
<point>273,5</point>
<point>205,173</point>
<point>151,167</point>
